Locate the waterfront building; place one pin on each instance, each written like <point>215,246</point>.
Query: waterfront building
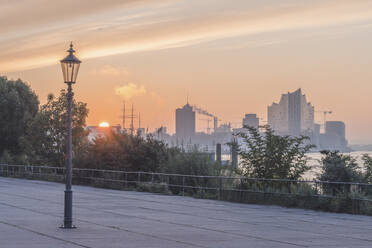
<point>334,137</point>
<point>251,120</point>
<point>185,122</point>
<point>293,115</point>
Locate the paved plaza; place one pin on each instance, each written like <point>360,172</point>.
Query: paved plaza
<point>31,211</point>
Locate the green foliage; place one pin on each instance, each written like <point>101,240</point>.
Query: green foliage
<point>154,188</point>
<point>6,158</point>
<point>48,130</point>
<point>337,167</point>
<point>18,105</point>
<point>367,162</point>
<point>192,162</point>
<point>267,155</point>
<point>120,151</point>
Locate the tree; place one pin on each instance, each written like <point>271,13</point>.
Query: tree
<point>367,162</point>
<point>338,167</point>
<point>18,106</point>
<point>48,130</point>
<point>271,156</point>
<point>120,151</point>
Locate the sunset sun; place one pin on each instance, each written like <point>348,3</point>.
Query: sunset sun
<point>104,124</point>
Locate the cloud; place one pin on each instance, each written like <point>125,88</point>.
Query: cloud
<point>43,13</point>
<point>139,93</point>
<point>130,91</point>
<point>116,27</point>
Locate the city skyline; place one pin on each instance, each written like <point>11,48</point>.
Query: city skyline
<point>230,59</point>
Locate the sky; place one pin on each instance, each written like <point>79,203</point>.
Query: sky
<point>228,57</point>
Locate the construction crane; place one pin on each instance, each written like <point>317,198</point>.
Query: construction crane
<point>207,114</point>
<point>325,113</point>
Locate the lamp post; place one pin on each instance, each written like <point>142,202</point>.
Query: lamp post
<point>70,68</point>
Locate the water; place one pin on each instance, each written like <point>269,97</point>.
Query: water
<point>315,164</point>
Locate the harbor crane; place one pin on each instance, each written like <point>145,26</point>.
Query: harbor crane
<point>325,113</point>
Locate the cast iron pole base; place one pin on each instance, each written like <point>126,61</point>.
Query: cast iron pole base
<point>67,222</point>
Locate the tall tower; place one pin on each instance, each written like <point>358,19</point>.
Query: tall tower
<point>132,121</point>
<point>293,115</point>
<point>123,116</point>
<point>185,122</point>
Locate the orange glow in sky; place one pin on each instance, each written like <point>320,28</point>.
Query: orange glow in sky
<point>230,57</point>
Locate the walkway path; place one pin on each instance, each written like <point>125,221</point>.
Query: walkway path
<point>31,211</point>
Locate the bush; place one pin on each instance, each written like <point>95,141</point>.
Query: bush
<point>367,162</point>
<point>120,151</point>
<point>337,167</point>
<point>271,156</point>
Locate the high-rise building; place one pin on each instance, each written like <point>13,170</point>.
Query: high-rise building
<point>334,137</point>
<point>251,120</point>
<point>185,122</point>
<point>336,128</point>
<point>293,115</point>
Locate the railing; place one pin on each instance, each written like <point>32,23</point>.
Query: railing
<point>240,189</point>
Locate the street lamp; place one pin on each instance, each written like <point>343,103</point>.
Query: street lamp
<point>70,68</point>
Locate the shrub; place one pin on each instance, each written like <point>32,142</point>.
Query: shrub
<point>268,155</point>
<point>367,162</point>
<point>337,167</point>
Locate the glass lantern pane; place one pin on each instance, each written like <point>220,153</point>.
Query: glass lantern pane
<point>76,71</point>
<point>70,71</point>
<point>64,72</point>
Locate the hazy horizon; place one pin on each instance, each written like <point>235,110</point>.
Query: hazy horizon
<point>230,59</point>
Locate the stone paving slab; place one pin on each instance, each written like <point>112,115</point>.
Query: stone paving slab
<point>32,211</point>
